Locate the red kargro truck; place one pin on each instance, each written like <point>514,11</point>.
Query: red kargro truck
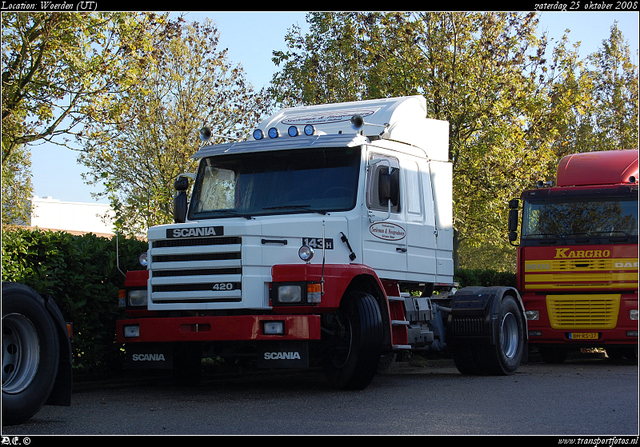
<point>578,256</point>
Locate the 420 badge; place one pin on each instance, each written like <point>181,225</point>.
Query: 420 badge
<point>387,231</point>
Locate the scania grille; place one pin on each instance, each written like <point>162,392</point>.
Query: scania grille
<point>583,311</point>
<point>193,270</point>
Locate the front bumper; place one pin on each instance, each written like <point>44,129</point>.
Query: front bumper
<point>217,328</point>
<point>621,330</point>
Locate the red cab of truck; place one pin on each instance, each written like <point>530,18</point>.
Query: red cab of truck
<point>577,265</point>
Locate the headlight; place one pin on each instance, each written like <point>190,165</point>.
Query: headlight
<point>301,293</point>
<point>305,253</point>
<point>137,298</point>
<point>142,259</point>
<point>290,293</point>
<point>532,315</point>
<point>633,314</point>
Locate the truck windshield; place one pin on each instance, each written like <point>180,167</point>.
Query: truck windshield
<point>613,217</point>
<point>298,181</point>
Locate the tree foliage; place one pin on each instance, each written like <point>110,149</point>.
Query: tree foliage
<point>512,111</point>
<point>16,188</point>
<point>189,84</point>
<point>56,67</point>
<point>610,120</point>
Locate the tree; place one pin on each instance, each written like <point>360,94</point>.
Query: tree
<point>478,71</point>
<point>56,68</point>
<point>16,188</point>
<point>610,121</point>
<point>189,84</point>
<point>512,111</point>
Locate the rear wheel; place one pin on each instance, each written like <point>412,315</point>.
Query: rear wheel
<point>503,357</point>
<point>355,339</point>
<point>30,353</point>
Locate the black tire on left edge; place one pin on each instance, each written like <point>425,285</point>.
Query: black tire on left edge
<point>30,353</point>
<point>357,342</point>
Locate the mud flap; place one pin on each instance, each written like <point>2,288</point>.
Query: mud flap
<point>149,356</point>
<point>473,318</point>
<point>283,354</point>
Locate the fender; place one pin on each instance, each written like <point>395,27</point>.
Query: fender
<point>337,279</point>
<point>474,314</point>
<point>62,388</point>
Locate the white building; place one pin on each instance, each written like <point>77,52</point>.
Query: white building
<point>53,214</point>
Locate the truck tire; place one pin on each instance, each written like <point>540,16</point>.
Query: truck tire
<point>30,353</point>
<point>505,355</point>
<point>356,342</point>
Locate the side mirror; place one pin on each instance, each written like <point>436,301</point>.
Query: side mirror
<point>389,186</point>
<point>513,220</point>
<point>180,204</point>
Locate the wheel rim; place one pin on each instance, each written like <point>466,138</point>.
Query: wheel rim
<point>510,335</point>
<point>20,353</point>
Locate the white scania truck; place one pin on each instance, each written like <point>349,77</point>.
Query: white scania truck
<point>325,237</point>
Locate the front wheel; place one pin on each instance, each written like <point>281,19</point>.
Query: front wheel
<point>355,337</point>
<point>30,353</point>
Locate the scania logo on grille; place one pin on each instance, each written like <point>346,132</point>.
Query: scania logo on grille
<point>195,232</point>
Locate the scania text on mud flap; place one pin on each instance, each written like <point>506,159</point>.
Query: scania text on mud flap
<point>326,236</point>
<point>578,256</point>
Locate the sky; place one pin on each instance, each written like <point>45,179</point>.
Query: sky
<point>252,36</point>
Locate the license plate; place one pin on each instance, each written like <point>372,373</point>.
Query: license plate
<point>583,336</point>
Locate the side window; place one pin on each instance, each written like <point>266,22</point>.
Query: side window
<point>383,183</point>
<point>412,194</point>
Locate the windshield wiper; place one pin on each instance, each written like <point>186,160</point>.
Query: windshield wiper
<point>231,213</point>
<point>295,207</point>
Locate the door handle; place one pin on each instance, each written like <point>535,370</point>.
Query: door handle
<point>401,249</point>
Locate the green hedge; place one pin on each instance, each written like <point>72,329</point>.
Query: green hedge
<point>484,278</point>
<point>80,273</point>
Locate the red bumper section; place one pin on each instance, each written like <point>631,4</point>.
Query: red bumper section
<point>219,328</point>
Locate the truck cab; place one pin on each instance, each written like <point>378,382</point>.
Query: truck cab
<point>329,231</point>
<point>578,256</point>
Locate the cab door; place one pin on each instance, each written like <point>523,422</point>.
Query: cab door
<point>384,232</point>
<point>420,220</point>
